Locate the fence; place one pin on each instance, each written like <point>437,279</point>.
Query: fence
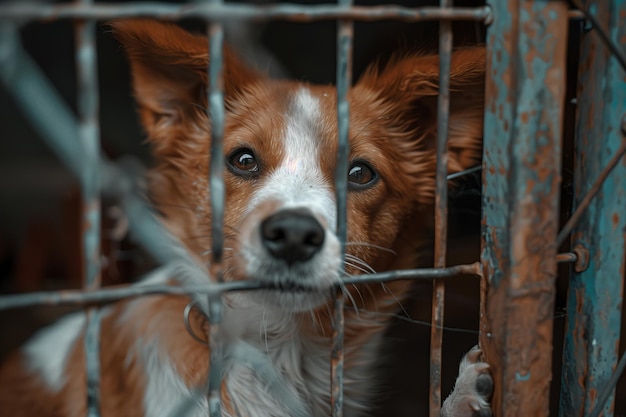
<point>521,177</point>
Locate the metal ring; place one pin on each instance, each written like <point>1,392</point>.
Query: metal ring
<point>190,330</point>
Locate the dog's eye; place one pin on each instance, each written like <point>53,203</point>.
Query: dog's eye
<point>242,162</point>
<point>361,176</point>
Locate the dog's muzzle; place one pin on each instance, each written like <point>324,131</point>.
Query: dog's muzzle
<point>292,235</point>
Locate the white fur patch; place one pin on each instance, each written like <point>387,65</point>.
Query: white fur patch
<point>47,352</point>
<point>298,181</point>
<point>166,394</point>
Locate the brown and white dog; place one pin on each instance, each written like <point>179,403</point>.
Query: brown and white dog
<point>280,147</point>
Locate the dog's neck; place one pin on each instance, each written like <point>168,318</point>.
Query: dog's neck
<point>299,356</point>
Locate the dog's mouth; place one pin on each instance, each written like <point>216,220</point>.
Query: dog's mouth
<point>290,296</point>
<point>295,288</point>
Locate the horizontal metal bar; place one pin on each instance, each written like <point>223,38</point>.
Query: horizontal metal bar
<point>566,257</point>
<point>575,14</point>
<point>111,294</point>
<point>224,12</point>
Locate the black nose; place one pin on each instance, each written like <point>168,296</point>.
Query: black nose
<point>292,235</point>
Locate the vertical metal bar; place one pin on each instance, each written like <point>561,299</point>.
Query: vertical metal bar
<point>89,131</point>
<point>50,115</point>
<point>217,195</point>
<point>441,211</point>
<point>595,295</point>
<point>345,34</point>
<point>525,87</point>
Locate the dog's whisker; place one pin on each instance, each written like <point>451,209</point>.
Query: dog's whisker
<point>356,261</point>
<point>409,319</point>
<point>361,262</point>
<point>347,293</point>
<point>358,291</point>
<point>390,292</point>
<point>372,245</point>
<point>357,267</point>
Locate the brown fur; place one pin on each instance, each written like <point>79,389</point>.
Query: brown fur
<point>393,125</point>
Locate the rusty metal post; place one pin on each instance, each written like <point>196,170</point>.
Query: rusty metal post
<point>525,87</point>
<point>595,294</point>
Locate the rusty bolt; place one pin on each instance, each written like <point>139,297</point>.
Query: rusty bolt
<point>583,258</point>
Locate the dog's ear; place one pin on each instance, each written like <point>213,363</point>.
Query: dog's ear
<point>169,70</point>
<point>410,84</point>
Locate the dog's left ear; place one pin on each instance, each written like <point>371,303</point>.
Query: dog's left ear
<point>410,85</point>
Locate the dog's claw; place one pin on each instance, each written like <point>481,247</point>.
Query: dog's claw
<point>472,390</point>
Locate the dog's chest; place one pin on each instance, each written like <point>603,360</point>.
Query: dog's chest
<point>275,372</point>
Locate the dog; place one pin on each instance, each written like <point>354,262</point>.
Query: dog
<point>280,145</point>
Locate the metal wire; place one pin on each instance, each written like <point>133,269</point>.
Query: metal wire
<point>111,294</point>
<point>593,191</point>
<point>615,49</point>
<point>231,11</point>
<point>609,387</point>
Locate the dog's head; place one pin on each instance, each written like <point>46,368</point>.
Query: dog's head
<point>280,147</point>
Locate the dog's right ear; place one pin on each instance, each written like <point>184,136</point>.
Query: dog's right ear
<point>169,70</point>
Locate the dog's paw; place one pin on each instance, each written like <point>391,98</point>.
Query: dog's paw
<point>472,390</point>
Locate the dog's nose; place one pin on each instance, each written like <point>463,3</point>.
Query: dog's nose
<point>292,235</point>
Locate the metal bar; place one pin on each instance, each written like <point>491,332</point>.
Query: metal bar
<point>609,388</point>
<point>591,193</point>
<point>49,114</point>
<point>229,11</point>
<point>345,33</point>
<point>89,132</point>
<point>525,87</point>
<point>575,15</point>
<point>441,211</point>
<point>566,257</point>
<point>56,124</point>
<point>110,294</point>
<point>594,302</point>
<point>614,47</point>
<point>217,194</point>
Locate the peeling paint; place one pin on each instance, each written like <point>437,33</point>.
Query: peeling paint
<point>596,287</point>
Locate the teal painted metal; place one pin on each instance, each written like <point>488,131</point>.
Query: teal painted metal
<point>525,85</point>
<point>595,294</point>
<point>89,131</point>
<point>217,193</point>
